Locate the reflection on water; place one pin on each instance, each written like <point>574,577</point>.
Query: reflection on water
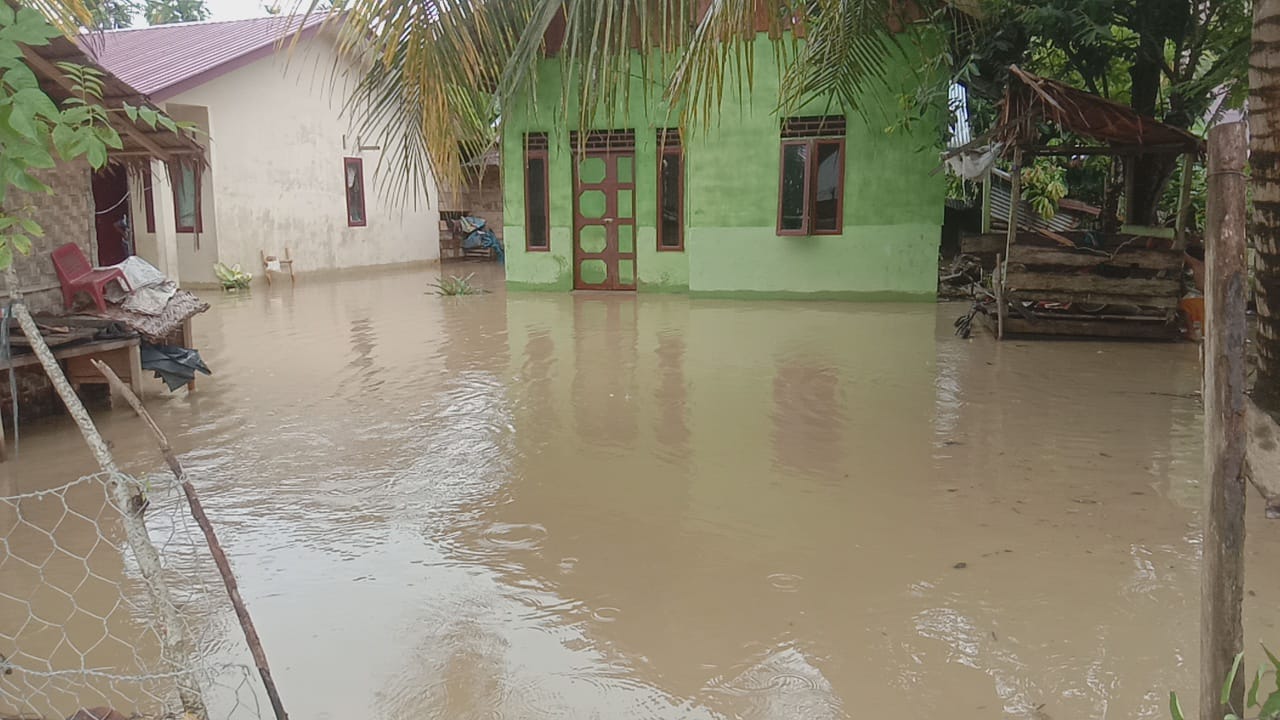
<point>576,506</point>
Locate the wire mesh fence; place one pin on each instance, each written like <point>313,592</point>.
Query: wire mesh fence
<point>88,622</point>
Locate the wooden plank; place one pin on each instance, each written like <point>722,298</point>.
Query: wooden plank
<point>1095,298</point>
<point>1128,257</point>
<point>984,243</point>
<point>70,352</point>
<point>1031,281</point>
<point>1002,305</point>
<point>1226,434</point>
<point>1017,326</point>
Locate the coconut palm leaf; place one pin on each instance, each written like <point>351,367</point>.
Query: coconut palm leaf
<point>437,73</point>
<point>69,16</point>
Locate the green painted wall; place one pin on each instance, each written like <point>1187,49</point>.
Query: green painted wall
<point>892,207</point>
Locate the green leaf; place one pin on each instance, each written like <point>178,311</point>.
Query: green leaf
<point>32,227</point>
<point>168,123</point>
<point>23,122</point>
<point>76,115</point>
<point>131,111</point>
<point>34,101</point>
<point>97,155</point>
<point>109,137</point>
<point>21,243</point>
<point>21,77</point>
<point>6,255</point>
<point>149,116</point>
<point>31,28</point>
<point>14,172</point>
<point>1225,697</point>
<point>1175,708</point>
<point>1253,689</point>
<point>7,221</point>
<point>1275,662</point>
<point>64,141</point>
<point>1271,708</point>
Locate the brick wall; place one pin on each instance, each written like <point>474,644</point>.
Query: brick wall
<point>66,216</point>
<point>482,198</point>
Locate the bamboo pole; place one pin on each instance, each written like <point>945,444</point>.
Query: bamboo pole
<point>211,537</point>
<point>1015,198</point>
<point>172,635</point>
<point>1222,569</point>
<point>1184,202</point>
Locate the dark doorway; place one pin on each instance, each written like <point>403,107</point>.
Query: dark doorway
<point>111,214</point>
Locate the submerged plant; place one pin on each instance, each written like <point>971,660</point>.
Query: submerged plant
<point>454,285</point>
<point>1267,706</point>
<point>232,278</point>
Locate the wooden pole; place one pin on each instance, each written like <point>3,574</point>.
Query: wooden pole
<point>1015,198</point>
<point>215,547</point>
<point>986,201</point>
<point>1222,569</point>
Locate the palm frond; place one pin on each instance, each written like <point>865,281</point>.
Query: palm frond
<point>436,75</point>
<point>69,16</point>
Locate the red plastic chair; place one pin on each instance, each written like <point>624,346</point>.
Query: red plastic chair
<point>77,275</point>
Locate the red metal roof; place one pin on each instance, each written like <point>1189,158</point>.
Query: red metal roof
<point>165,60</point>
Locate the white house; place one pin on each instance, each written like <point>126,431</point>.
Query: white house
<point>285,169</point>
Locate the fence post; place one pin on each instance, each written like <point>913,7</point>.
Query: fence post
<point>1225,441</point>
<point>172,634</point>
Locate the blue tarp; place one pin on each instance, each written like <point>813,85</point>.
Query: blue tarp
<point>480,236</point>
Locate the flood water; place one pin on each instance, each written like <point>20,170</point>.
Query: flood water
<point>611,506</point>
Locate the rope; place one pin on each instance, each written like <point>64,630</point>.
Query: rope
<point>119,202</point>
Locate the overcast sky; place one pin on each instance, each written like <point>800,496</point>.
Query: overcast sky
<point>238,9</point>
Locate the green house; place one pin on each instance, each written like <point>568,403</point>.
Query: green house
<point>824,203</point>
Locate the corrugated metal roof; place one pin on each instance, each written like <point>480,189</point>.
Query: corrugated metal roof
<point>1028,219</point>
<point>164,60</point>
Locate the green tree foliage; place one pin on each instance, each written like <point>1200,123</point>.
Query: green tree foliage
<point>35,132</point>
<point>1176,60</point>
<point>165,12</point>
<point>113,14</point>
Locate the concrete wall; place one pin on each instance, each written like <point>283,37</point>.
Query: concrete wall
<point>277,140</point>
<point>892,207</point>
<point>66,216</point>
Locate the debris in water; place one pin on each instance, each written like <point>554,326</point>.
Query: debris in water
<point>960,565</point>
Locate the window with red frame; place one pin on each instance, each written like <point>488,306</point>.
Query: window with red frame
<point>670,191</point>
<point>353,179</point>
<point>537,201</point>
<point>186,198</point>
<point>811,176</point>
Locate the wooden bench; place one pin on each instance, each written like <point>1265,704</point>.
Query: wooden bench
<point>124,356</point>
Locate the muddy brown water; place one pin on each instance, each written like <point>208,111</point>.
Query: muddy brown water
<point>610,506</point>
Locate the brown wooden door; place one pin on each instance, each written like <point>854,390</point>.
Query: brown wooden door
<point>604,210</point>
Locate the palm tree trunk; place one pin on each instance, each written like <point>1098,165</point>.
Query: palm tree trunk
<point>1264,131</point>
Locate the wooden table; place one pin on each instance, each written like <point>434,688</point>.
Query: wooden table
<point>124,356</point>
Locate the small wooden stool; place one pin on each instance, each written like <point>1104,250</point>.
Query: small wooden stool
<point>283,262</point>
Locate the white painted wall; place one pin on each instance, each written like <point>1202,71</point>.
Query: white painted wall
<point>277,140</point>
